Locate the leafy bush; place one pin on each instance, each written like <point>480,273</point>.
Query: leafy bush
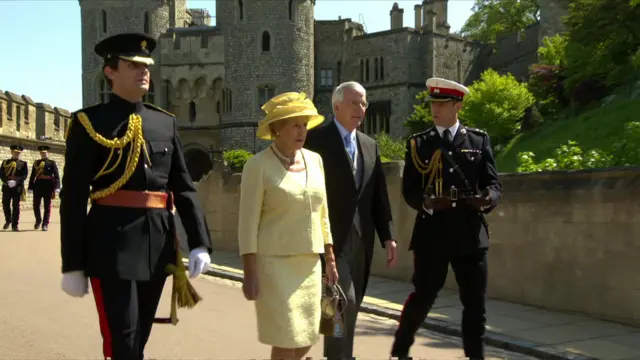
<point>626,150</point>
<point>567,157</point>
<point>390,149</point>
<point>496,104</point>
<point>420,119</point>
<point>546,85</point>
<point>235,159</point>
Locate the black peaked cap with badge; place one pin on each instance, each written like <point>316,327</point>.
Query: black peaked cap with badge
<point>134,47</point>
<point>43,148</point>
<point>17,148</point>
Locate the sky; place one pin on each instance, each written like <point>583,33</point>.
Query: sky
<point>40,51</point>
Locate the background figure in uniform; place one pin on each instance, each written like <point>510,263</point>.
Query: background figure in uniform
<point>358,203</point>
<point>450,178</point>
<point>13,175</point>
<point>44,183</point>
<point>129,154</point>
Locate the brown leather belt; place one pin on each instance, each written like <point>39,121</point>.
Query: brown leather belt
<point>44,177</point>
<point>136,199</point>
<point>12,178</point>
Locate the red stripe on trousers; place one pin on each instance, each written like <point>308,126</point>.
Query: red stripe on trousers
<point>102,317</point>
<point>404,306</point>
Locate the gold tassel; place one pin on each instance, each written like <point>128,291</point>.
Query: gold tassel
<point>183,294</point>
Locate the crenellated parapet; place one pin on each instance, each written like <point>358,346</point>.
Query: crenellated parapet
<point>21,117</point>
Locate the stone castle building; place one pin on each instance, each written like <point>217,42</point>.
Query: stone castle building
<point>215,77</point>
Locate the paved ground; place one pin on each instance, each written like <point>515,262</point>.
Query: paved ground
<point>38,321</point>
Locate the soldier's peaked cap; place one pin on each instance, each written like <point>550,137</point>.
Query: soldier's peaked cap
<point>133,47</point>
<point>445,90</point>
<point>17,148</point>
<point>43,148</point>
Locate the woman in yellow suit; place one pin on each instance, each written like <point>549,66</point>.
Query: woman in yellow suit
<point>283,227</point>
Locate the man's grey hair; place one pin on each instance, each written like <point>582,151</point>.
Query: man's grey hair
<point>338,93</point>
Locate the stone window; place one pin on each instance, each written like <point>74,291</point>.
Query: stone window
<point>361,70</point>
<point>218,107</point>
<point>167,93</point>
<point>204,42</point>
<point>326,77</point>
<point>103,20</point>
<point>266,41</point>
<point>377,118</point>
<point>366,71</point>
<point>192,111</point>
<point>381,68</point>
<point>56,122</point>
<point>291,10</point>
<point>265,93</point>
<point>147,26</point>
<point>227,103</point>
<point>339,67</point>
<point>150,96</point>
<point>378,66</point>
<point>105,92</point>
<point>240,10</point>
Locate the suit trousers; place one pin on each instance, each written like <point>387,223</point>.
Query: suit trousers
<point>430,273</point>
<point>11,206</point>
<point>127,308</point>
<point>351,263</point>
<point>38,196</point>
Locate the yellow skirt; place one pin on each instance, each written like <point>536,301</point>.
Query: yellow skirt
<point>288,303</point>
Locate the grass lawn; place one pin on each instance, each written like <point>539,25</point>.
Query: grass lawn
<point>597,128</point>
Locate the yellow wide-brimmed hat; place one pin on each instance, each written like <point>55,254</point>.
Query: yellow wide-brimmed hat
<point>285,106</point>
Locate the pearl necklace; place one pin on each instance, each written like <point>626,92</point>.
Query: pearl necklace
<point>289,160</point>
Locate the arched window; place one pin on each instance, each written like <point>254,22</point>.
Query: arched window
<point>103,20</point>
<point>266,41</point>
<point>381,68</point>
<point>240,9</point>
<point>290,9</point>
<point>375,66</point>
<point>192,111</point>
<point>104,92</point>
<point>265,93</point>
<point>147,26</point>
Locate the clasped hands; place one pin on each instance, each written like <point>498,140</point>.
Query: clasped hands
<point>11,183</point>
<point>76,284</point>
<point>477,202</point>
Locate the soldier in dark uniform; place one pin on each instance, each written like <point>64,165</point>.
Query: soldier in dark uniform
<point>13,174</point>
<point>125,156</point>
<point>44,183</point>
<point>450,178</point>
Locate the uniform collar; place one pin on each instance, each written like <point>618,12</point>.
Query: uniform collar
<point>453,129</point>
<point>125,105</point>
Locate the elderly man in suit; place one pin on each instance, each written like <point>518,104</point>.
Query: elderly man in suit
<point>358,203</point>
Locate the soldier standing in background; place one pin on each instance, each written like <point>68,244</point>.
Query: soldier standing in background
<point>44,183</point>
<point>13,174</point>
<point>450,178</point>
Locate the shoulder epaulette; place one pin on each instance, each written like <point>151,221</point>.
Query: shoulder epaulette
<point>422,132</point>
<point>477,131</point>
<point>151,106</point>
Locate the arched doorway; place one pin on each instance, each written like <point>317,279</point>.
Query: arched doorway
<point>198,163</point>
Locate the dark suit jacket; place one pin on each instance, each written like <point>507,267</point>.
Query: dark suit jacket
<point>371,199</point>
<point>18,174</point>
<point>128,243</point>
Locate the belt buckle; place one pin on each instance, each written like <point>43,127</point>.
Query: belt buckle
<point>453,194</point>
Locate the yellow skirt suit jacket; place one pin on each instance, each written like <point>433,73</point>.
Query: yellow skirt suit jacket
<point>284,220</point>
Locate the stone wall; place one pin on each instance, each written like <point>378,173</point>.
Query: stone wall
<point>31,124</point>
<point>560,240</point>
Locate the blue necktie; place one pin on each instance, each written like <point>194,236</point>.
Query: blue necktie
<point>351,149</point>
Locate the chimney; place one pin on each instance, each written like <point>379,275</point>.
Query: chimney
<point>441,9</point>
<point>418,11</point>
<point>397,16</point>
<point>427,7</point>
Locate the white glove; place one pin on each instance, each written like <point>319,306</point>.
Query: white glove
<point>30,191</point>
<point>11,183</point>
<point>57,191</point>
<point>75,284</point>
<point>199,261</point>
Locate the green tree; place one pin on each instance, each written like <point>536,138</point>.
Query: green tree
<point>492,18</point>
<point>497,104</point>
<point>553,50</point>
<point>420,119</point>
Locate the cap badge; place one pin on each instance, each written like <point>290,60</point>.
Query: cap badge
<point>143,44</point>
<point>436,91</point>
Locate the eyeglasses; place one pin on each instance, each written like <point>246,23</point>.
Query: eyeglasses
<point>362,104</point>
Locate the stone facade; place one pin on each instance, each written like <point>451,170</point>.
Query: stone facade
<point>31,124</point>
<point>214,77</point>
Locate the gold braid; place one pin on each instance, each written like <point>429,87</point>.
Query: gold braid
<point>39,170</point>
<point>133,136</point>
<point>10,168</point>
<point>434,169</point>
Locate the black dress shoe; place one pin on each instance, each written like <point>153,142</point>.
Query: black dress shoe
<point>36,226</point>
<point>14,228</point>
<point>6,226</point>
<point>44,227</point>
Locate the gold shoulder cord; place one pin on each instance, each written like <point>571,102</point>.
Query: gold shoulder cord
<point>9,168</point>
<point>434,169</point>
<point>39,170</point>
<point>133,136</point>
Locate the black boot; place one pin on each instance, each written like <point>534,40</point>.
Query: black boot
<point>36,226</point>
<point>45,227</point>
<point>6,226</point>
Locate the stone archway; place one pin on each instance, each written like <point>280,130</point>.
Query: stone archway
<point>198,163</point>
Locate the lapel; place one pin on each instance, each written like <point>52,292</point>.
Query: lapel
<point>461,135</point>
<point>368,152</point>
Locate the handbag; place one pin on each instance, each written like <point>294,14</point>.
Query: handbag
<point>333,304</point>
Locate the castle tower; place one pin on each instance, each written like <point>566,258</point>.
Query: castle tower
<point>269,49</point>
<point>103,18</point>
